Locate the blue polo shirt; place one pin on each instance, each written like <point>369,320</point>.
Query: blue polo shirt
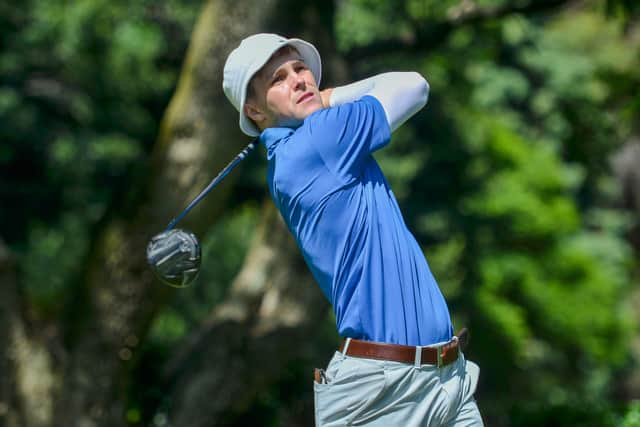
<point>347,223</point>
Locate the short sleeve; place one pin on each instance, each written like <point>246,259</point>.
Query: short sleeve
<point>346,135</point>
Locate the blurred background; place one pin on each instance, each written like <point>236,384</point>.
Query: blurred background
<point>520,179</point>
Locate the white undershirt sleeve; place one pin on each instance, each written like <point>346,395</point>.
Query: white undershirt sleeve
<point>402,94</point>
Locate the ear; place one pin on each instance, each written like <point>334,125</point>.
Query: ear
<point>254,113</point>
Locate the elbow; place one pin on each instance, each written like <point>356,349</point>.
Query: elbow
<point>422,88</point>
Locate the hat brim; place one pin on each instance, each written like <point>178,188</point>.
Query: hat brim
<point>310,56</point>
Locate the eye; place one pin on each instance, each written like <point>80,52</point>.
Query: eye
<point>277,78</point>
<point>300,67</point>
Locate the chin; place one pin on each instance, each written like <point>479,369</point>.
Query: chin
<point>312,107</point>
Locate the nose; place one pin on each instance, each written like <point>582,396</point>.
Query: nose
<point>299,83</point>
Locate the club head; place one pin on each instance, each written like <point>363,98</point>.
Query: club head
<point>174,257</point>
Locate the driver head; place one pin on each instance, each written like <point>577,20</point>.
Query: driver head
<point>174,256</point>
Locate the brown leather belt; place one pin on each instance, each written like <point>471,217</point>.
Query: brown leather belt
<point>439,356</point>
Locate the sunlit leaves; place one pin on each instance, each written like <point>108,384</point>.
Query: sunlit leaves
<point>496,85</point>
<point>525,186</point>
<point>525,121</point>
<point>135,47</point>
<point>632,417</point>
<point>362,21</point>
<point>503,177</point>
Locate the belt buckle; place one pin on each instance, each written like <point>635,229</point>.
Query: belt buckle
<point>439,362</point>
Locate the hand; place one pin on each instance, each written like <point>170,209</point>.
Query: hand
<point>326,97</point>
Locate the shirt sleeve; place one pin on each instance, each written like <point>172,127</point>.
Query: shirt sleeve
<point>402,94</point>
<point>346,135</point>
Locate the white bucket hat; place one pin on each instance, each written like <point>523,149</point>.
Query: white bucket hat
<point>245,60</point>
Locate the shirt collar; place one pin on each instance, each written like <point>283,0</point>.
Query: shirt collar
<point>270,137</point>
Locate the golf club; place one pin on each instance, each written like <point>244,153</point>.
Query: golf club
<point>174,255</point>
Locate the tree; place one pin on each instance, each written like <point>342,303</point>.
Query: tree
<point>504,178</point>
<point>117,295</point>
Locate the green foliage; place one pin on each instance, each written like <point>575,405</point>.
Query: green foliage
<point>504,179</point>
<point>512,200</point>
<point>82,88</point>
<point>53,255</point>
<point>632,417</point>
<point>363,21</point>
<point>531,205</point>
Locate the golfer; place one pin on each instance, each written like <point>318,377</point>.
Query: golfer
<point>400,363</point>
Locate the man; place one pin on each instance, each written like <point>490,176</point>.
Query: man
<point>400,364</point>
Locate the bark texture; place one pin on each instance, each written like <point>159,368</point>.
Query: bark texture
<point>271,319</point>
<point>199,135</point>
<point>627,172</point>
<point>625,165</point>
<point>28,377</point>
<point>9,319</point>
<point>77,375</point>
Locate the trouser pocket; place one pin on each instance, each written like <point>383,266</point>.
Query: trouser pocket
<point>348,396</point>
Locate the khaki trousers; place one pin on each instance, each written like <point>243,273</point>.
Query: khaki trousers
<point>378,393</point>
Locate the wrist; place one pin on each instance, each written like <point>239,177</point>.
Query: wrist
<point>326,97</point>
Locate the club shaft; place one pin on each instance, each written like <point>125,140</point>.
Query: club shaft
<point>223,173</point>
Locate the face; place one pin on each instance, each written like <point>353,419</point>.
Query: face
<point>284,92</point>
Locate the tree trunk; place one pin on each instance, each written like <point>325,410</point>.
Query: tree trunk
<point>274,317</point>
<point>199,135</point>
<point>625,166</point>
<point>27,377</point>
<point>9,321</point>
<point>271,318</point>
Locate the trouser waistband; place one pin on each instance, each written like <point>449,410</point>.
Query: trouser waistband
<point>440,355</point>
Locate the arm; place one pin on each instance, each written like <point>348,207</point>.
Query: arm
<point>326,97</point>
<point>402,94</point>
